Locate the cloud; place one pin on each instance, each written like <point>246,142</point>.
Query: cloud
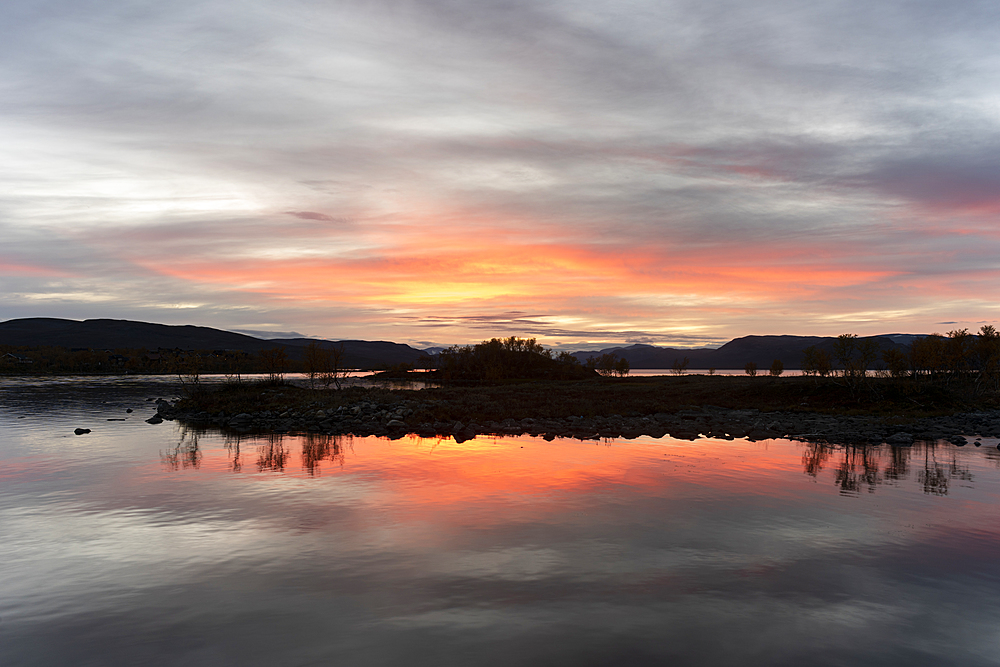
<point>643,171</point>
<point>311,215</point>
<point>270,335</point>
<point>945,181</point>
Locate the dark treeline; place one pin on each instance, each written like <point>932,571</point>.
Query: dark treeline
<point>489,361</point>
<point>321,363</point>
<point>53,359</point>
<point>958,359</point>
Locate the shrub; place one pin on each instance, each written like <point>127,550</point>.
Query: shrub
<point>680,366</point>
<point>508,359</point>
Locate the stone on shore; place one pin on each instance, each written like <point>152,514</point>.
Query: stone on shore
<point>394,417</point>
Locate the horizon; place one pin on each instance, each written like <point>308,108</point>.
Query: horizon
<point>585,173</point>
<point>292,335</point>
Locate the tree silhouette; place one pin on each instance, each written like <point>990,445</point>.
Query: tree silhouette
<point>274,360</point>
<point>609,364</point>
<point>816,361</point>
<point>843,350</point>
<point>896,362</point>
<point>325,364</point>
<point>680,366</point>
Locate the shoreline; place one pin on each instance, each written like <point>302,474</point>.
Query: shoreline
<point>588,411</point>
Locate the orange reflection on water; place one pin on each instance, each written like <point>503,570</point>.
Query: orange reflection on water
<point>441,471</point>
<point>451,472</point>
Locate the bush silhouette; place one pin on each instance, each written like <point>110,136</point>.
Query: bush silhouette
<point>508,359</point>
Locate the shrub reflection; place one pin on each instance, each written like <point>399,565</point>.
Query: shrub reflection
<point>852,468</point>
<point>274,451</point>
<point>185,454</point>
<point>860,468</point>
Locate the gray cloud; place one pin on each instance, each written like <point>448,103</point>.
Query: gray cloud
<point>304,127</point>
<point>311,215</point>
<point>524,324</point>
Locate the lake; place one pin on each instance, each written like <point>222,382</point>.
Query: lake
<point>161,545</point>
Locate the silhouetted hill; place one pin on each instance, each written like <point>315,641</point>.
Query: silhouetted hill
<point>360,353</point>
<point>762,350</point>
<point>105,334</point>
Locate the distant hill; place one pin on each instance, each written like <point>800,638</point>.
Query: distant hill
<point>105,334</point>
<point>762,350</point>
<point>360,353</point>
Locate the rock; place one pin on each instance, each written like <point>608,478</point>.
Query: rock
<point>901,439</point>
<point>128,411</point>
<point>958,440</point>
<point>395,423</point>
<point>155,419</point>
<point>81,431</point>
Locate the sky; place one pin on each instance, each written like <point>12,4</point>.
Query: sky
<point>588,173</point>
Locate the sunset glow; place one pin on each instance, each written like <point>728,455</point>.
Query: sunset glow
<point>576,172</point>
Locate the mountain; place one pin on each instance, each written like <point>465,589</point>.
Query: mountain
<point>360,353</point>
<point>107,334</point>
<point>762,350</point>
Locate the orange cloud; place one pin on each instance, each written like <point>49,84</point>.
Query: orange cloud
<point>16,269</point>
<point>492,266</point>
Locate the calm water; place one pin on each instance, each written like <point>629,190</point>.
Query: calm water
<point>140,544</point>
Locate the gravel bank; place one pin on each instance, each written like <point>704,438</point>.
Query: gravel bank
<point>396,419</point>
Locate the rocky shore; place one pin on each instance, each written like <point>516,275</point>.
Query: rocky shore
<point>397,419</point>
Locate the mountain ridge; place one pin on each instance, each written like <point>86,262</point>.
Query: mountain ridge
<point>761,350</point>
<point>103,333</point>
<point>106,333</point>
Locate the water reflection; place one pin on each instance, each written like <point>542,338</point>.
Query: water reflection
<point>232,446</point>
<point>317,448</point>
<point>272,454</point>
<point>185,454</point>
<point>863,468</point>
<point>273,451</point>
<point>851,468</point>
<point>139,545</point>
